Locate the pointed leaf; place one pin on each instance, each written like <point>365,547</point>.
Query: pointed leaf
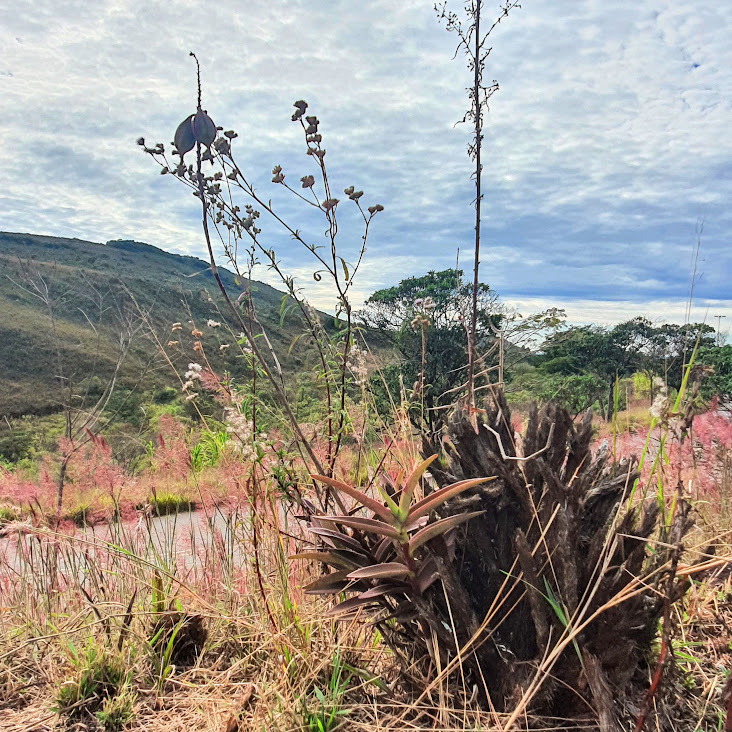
<point>333,538</point>
<point>362,498</point>
<point>411,484</point>
<point>349,606</point>
<point>439,527</point>
<point>431,502</point>
<point>387,588</point>
<point>383,548</point>
<point>336,559</point>
<point>330,583</point>
<point>393,508</point>
<point>427,574</point>
<point>364,524</point>
<point>388,570</point>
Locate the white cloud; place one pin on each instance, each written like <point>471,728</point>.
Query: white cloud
<point>607,142</point>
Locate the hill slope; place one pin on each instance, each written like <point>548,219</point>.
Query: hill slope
<point>85,283</point>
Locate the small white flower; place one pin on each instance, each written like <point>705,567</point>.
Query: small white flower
<point>213,323</point>
<point>195,367</point>
<point>223,346</point>
<point>188,384</point>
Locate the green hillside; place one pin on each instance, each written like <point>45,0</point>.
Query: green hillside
<point>90,286</point>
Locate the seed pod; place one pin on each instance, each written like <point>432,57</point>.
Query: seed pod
<point>184,140</point>
<point>204,129</point>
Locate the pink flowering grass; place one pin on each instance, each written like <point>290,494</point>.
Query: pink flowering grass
<point>701,460</point>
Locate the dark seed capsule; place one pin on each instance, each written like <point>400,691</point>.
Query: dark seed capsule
<point>204,129</point>
<point>184,140</point>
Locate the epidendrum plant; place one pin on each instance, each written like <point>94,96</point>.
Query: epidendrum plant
<point>384,548</point>
<point>240,237</point>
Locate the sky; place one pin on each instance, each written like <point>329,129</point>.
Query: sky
<point>607,149</point>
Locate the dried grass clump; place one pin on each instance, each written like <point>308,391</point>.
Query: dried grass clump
<point>554,594</point>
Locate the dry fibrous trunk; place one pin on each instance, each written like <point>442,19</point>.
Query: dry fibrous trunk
<point>555,558</point>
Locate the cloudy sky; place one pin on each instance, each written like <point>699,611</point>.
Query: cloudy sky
<point>606,146</point>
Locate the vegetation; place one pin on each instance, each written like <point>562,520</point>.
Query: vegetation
<point>513,524</point>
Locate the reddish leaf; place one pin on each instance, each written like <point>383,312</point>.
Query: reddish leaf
<point>439,527</point>
<point>339,560</point>
<point>388,588</point>
<point>417,523</point>
<point>362,498</point>
<point>388,570</point>
<point>349,606</point>
<point>333,582</point>
<point>337,537</point>
<point>411,484</point>
<point>364,524</point>
<point>383,549</point>
<point>431,502</point>
<point>427,575</point>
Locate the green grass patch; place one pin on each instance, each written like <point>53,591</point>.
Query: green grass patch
<point>8,514</point>
<point>100,676</point>
<point>163,504</point>
<point>80,515</point>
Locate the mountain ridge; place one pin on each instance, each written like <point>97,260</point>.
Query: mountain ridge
<point>175,288</point>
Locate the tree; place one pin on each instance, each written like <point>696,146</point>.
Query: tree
<point>602,353</point>
<point>662,351</point>
<point>427,317</point>
<point>718,363</point>
<point>614,353</point>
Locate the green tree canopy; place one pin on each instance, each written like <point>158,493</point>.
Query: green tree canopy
<point>431,312</point>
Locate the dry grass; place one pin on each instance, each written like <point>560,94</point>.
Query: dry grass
<point>269,659</point>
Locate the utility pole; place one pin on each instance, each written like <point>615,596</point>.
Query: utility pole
<point>719,326</point>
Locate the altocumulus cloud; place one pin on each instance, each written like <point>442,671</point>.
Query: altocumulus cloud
<point>606,144</point>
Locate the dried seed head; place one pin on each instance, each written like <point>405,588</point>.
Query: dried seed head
<point>308,181</point>
<point>204,129</point>
<point>184,139</point>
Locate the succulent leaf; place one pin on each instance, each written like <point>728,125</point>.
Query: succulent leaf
<point>362,498</point>
<point>337,559</point>
<point>387,570</point>
<point>439,527</point>
<point>411,483</point>
<point>350,605</point>
<point>330,583</point>
<point>338,539</point>
<point>364,524</point>
<point>431,502</point>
